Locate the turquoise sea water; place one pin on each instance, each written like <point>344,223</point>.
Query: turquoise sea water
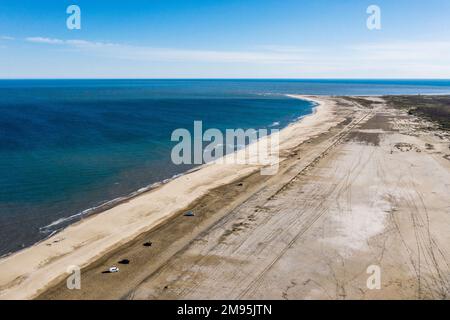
<point>70,145</point>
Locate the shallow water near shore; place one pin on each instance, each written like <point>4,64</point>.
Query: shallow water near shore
<point>70,145</point>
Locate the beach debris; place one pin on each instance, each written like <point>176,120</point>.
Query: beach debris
<point>406,147</point>
<point>147,244</point>
<point>113,269</point>
<point>124,261</point>
<point>189,214</point>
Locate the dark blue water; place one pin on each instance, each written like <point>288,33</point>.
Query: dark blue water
<point>69,145</point>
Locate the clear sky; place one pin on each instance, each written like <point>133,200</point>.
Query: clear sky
<point>225,39</point>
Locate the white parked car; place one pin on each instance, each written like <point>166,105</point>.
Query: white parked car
<point>113,269</point>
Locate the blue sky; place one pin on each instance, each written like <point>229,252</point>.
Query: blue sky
<point>225,39</point>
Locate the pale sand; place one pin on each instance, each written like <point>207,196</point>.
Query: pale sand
<point>379,197</point>
<point>27,273</point>
<point>356,187</point>
<point>370,191</point>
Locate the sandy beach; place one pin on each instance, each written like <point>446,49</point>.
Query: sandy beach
<point>27,272</point>
<point>359,183</point>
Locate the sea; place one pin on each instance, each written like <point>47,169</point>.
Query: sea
<point>70,148</point>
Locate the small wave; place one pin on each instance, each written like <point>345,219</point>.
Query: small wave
<point>47,228</point>
<point>269,94</point>
<point>61,223</point>
<point>275,124</point>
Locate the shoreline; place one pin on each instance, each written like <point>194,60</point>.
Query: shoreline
<point>32,269</point>
<point>108,204</point>
<point>360,182</point>
<point>369,191</point>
